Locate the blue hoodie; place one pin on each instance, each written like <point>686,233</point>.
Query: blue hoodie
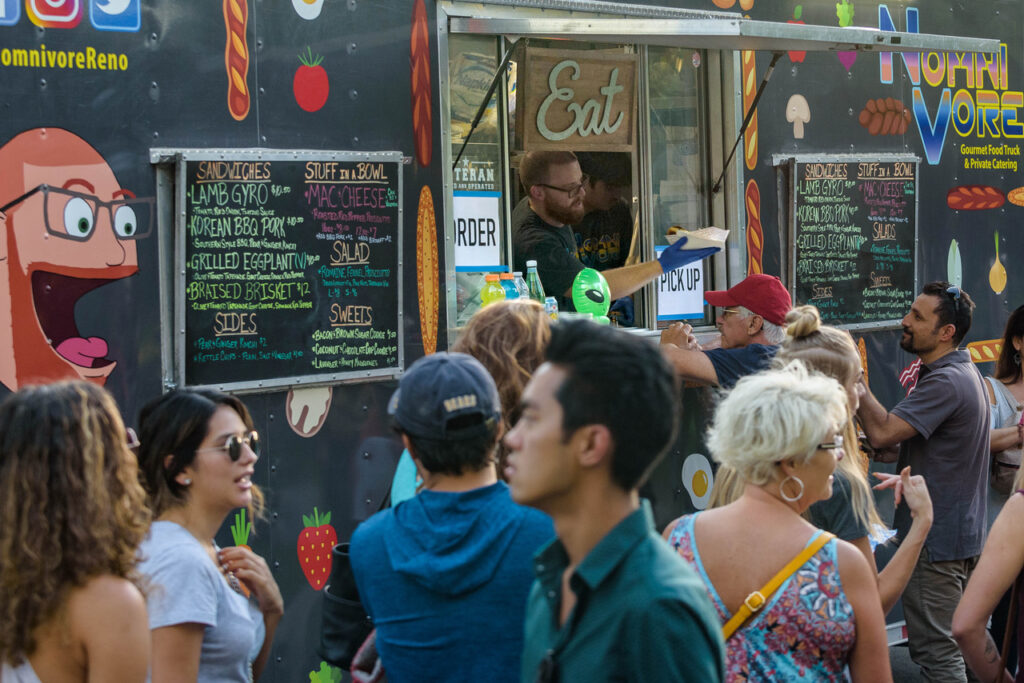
<point>445,577</point>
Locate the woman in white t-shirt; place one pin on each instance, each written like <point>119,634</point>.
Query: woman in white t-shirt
<point>72,515</point>
<point>197,456</point>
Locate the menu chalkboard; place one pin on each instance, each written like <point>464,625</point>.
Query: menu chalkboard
<point>853,233</point>
<point>289,267</point>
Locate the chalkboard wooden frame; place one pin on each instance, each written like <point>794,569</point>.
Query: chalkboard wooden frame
<point>181,159</point>
<point>790,164</point>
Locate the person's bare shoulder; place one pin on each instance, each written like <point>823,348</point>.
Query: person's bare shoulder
<point>108,601</point>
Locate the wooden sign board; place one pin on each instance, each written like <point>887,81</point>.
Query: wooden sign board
<point>577,100</point>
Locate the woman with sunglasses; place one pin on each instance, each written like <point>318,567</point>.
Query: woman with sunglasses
<point>197,455</point>
<point>781,432</point>
<point>72,514</point>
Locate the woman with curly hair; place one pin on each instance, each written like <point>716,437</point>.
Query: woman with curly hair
<point>72,515</point>
<point>509,339</point>
<point>197,455</point>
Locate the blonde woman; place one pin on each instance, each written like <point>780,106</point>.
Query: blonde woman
<point>198,453</point>
<point>850,512</point>
<point>72,515</point>
<point>781,432</point>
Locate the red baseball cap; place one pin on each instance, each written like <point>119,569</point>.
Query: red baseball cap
<point>764,295</point>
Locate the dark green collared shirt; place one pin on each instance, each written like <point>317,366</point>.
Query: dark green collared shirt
<point>641,614</point>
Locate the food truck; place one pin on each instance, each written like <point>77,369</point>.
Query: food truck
<point>301,198</point>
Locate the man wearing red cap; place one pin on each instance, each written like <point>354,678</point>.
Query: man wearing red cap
<point>752,324</point>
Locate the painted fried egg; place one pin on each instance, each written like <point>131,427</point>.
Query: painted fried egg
<point>697,479</point>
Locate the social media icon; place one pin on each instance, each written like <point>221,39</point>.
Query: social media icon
<point>10,12</point>
<point>54,13</point>
<point>116,15</point>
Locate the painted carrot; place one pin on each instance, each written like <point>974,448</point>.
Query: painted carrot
<point>240,531</point>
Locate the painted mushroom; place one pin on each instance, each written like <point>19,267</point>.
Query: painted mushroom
<point>798,112</point>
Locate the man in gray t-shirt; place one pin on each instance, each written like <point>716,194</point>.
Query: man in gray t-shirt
<point>942,427</point>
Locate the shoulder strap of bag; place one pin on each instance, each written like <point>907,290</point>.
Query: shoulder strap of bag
<point>757,599</point>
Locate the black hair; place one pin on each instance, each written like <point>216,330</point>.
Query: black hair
<point>456,456</point>
<point>621,381</point>
<point>952,309</point>
<point>175,424</point>
<point>611,167</point>
<point>1008,364</point>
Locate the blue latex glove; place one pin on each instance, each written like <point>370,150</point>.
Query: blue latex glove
<point>622,312</point>
<point>674,257</point>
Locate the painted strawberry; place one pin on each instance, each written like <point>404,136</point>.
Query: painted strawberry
<point>797,55</point>
<point>314,548</point>
<point>240,531</point>
<point>310,84</point>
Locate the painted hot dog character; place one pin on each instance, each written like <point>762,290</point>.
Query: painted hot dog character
<point>68,228</point>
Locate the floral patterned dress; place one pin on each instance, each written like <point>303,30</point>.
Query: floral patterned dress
<point>805,631</point>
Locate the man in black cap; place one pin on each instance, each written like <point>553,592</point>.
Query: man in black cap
<point>604,233</point>
<point>445,575</point>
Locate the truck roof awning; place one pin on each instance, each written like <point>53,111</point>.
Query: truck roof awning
<point>710,33</point>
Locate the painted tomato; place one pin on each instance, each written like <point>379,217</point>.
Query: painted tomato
<point>797,56</point>
<point>310,84</point>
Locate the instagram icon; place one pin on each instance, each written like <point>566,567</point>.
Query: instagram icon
<point>54,13</point>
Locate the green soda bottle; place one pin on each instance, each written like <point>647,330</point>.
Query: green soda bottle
<point>533,283</point>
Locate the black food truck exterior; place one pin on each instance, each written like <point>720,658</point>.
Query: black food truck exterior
<point>291,199</point>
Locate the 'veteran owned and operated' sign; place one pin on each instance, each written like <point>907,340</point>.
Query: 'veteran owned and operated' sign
<point>577,100</point>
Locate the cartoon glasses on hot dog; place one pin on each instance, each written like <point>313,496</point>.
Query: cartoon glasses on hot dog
<point>73,215</point>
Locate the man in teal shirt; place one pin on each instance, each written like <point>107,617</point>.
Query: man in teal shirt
<point>612,601</point>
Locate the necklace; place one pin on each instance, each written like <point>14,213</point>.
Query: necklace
<point>230,576</point>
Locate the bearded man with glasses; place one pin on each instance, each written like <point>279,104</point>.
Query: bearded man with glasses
<point>555,187</point>
<point>942,428</point>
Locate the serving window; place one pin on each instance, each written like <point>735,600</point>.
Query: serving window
<point>636,116</point>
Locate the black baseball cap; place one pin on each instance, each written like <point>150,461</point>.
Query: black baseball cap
<point>445,397</point>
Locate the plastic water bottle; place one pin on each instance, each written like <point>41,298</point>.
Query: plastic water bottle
<point>509,284</point>
<point>524,291</point>
<point>533,284</point>
<point>492,291</point>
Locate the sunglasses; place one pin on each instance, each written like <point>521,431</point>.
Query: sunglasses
<point>234,444</point>
<point>835,445</point>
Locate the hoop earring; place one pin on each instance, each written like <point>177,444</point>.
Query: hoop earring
<point>782,489</point>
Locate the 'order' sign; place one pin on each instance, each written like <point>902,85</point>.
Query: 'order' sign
<point>477,230</point>
<point>577,100</point>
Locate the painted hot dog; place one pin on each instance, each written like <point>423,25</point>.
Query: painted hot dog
<point>755,234</point>
<point>236,57</point>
